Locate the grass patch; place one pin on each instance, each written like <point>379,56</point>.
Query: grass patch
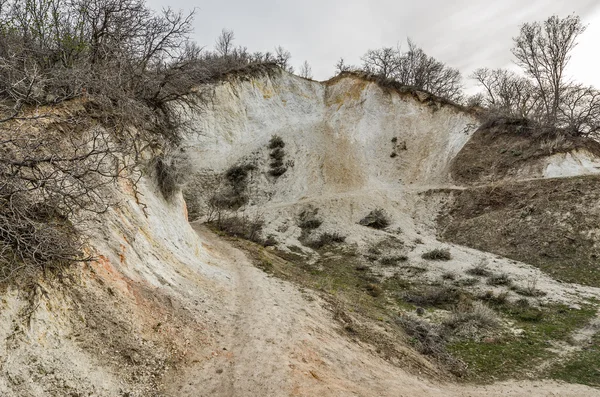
<point>584,368</point>
<point>510,356</point>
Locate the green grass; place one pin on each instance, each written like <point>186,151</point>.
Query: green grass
<point>518,356</point>
<point>583,368</point>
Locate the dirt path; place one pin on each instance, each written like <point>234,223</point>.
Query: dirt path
<point>270,340</point>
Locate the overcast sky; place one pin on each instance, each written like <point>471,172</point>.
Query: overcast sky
<point>465,34</point>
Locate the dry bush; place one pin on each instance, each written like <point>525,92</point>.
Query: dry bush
<point>481,269</point>
<point>326,239</point>
<point>172,171</point>
<point>377,219</point>
<point>48,178</point>
<point>308,219</point>
<point>471,320</point>
<point>443,296</point>
<point>429,339</point>
<point>392,260</point>
<point>490,297</point>
<point>242,226</point>
<point>277,154</point>
<point>277,171</point>
<point>449,276</point>
<point>437,254</point>
<point>499,279</point>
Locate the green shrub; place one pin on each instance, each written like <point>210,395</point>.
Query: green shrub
<point>276,142</point>
<point>277,154</point>
<point>277,172</point>
<point>377,219</point>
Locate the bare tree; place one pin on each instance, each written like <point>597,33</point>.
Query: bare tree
<point>507,93</point>
<point>543,50</point>
<point>282,59</point>
<point>384,62</point>
<point>49,180</point>
<point>224,43</point>
<point>579,111</point>
<point>341,66</point>
<point>128,64</point>
<point>306,70</point>
<point>416,69</point>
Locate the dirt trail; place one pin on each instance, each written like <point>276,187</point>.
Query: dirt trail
<point>273,341</point>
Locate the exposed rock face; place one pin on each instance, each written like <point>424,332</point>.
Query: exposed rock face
<point>344,135</point>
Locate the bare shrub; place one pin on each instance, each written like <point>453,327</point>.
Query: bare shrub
<point>47,178</point>
<point>433,296</point>
<point>471,320</point>
<point>326,239</point>
<point>392,260</point>
<point>466,282</point>
<point>449,276</point>
<point>530,289</point>
<point>277,171</point>
<point>437,254</point>
<point>377,219</point>
<point>490,297</point>
<point>277,154</point>
<point>429,339</point>
<point>172,171</point>
<point>481,269</point>
<point>308,219</point>
<point>243,226</point>
<point>499,279</point>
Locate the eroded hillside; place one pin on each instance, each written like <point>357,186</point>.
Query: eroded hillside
<point>362,282</point>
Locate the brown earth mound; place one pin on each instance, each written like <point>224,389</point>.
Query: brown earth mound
<point>502,147</point>
<point>551,224</point>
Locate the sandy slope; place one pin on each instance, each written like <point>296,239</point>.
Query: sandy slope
<point>276,342</point>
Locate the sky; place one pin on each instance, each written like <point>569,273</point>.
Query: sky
<point>465,34</point>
